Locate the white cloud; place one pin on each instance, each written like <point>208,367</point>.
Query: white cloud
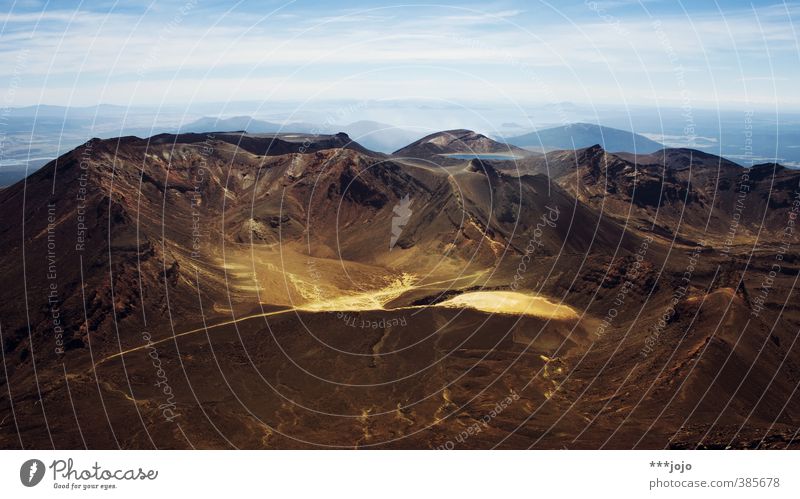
<point>587,59</point>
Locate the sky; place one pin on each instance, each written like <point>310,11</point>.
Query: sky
<point>726,54</point>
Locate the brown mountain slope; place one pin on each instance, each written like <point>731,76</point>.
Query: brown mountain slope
<point>295,294</point>
<point>677,193</point>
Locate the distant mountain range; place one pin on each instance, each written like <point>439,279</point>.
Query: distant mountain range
<point>240,124</point>
<point>34,135</point>
<point>387,138</point>
<point>371,134</point>
<point>580,135</point>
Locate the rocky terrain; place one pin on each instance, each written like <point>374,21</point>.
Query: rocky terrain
<point>301,291</point>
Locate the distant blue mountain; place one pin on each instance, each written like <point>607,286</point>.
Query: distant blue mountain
<point>243,123</point>
<point>580,135</point>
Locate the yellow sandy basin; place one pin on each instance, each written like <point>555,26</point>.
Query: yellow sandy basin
<point>353,302</point>
<point>510,302</point>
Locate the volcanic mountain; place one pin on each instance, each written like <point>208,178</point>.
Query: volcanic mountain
<point>437,146</point>
<point>580,135</point>
<point>678,193</point>
<point>301,291</point>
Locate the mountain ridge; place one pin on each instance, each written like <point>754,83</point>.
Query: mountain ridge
<point>236,246</point>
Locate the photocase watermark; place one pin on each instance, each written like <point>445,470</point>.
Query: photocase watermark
<point>198,179</point>
<point>609,19</point>
<point>402,214</point>
<point>547,219</point>
<point>631,276</point>
<point>480,425</point>
<point>748,137</point>
<point>167,408</point>
<point>742,191</point>
<point>163,36</point>
<point>787,234</point>
<point>31,472</point>
<point>680,292</point>
<point>53,301</point>
<point>353,320</point>
<point>67,476</point>
<point>383,323</point>
<point>743,188</point>
<point>690,127</point>
<point>10,96</point>
<point>81,196</point>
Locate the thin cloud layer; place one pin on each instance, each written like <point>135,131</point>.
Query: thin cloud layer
<point>585,51</point>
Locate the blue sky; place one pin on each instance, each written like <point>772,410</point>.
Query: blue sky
<point>731,54</point>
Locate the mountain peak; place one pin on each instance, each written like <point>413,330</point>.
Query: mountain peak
<point>479,166</point>
<point>436,146</point>
<point>590,153</point>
